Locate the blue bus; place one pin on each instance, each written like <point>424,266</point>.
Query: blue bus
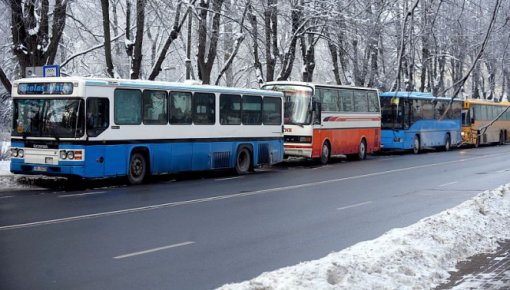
<point>98,128</point>
<point>414,120</point>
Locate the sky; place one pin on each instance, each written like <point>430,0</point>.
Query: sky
<point>419,256</point>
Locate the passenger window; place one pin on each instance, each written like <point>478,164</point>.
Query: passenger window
<point>272,111</point>
<point>154,107</point>
<point>204,109</point>
<point>252,110</point>
<point>180,108</point>
<point>360,101</point>
<point>329,100</point>
<point>230,109</point>
<point>127,107</point>
<point>373,102</point>
<point>345,100</point>
<point>98,116</point>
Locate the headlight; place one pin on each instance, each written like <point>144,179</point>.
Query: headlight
<point>462,133</point>
<point>63,155</point>
<point>21,153</point>
<point>14,152</point>
<point>70,155</point>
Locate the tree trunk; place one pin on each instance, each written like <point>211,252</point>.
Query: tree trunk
<point>137,52</point>
<point>107,38</point>
<point>255,34</point>
<point>271,45</point>
<point>205,65</point>
<point>290,55</point>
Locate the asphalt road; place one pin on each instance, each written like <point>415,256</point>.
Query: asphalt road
<point>200,233</point>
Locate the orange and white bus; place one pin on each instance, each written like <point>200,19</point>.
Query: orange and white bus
<point>324,121</point>
<point>485,122</point>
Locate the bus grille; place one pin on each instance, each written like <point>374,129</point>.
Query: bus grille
<point>221,159</point>
<point>264,157</point>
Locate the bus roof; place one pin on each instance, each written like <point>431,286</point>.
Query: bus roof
<point>314,85</point>
<point>146,84</point>
<point>414,95</point>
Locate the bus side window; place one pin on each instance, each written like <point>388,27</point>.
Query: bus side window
<point>180,108</point>
<point>230,109</point>
<point>127,105</point>
<point>251,110</point>
<point>373,102</point>
<point>98,116</point>
<point>360,101</point>
<point>272,111</point>
<point>345,100</point>
<point>204,105</point>
<point>154,107</point>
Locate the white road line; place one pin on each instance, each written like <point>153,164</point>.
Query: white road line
<point>355,205</point>
<point>449,183</point>
<point>153,250</point>
<point>7,196</point>
<point>81,194</point>
<point>229,196</point>
<point>228,178</point>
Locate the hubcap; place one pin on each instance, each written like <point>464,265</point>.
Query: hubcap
<point>137,167</point>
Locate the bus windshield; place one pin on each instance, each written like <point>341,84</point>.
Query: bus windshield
<point>391,113</point>
<point>298,100</point>
<point>57,118</point>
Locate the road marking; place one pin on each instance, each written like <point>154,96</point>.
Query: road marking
<point>449,183</point>
<point>228,196</point>
<point>355,205</point>
<point>228,178</point>
<point>7,196</point>
<point>81,194</point>
<point>153,250</point>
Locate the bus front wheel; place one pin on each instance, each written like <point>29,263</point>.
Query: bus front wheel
<point>137,168</point>
<point>416,145</point>
<point>243,161</point>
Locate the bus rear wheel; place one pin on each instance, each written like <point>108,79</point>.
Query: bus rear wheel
<point>243,161</point>
<point>416,145</point>
<point>501,138</point>
<point>325,153</point>
<point>447,143</point>
<point>362,150</point>
<point>137,168</point>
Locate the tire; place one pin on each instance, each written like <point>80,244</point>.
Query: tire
<point>325,153</point>
<point>416,145</point>
<point>137,168</point>
<point>501,138</point>
<point>448,143</point>
<point>243,161</point>
<point>362,150</point>
<point>477,142</point>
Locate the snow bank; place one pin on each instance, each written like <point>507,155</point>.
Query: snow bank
<point>415,257</point>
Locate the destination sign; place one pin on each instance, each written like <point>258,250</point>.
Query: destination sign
<point>45,88</point>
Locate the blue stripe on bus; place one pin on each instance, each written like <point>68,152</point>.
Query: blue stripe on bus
<point>112,160</point>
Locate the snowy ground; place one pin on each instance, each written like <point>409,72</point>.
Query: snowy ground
<point>416,257</point>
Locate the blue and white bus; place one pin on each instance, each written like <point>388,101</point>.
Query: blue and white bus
<point>97,128</point>
<point>414,120</point>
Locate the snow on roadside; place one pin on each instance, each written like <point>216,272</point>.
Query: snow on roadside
<point>416,257</point>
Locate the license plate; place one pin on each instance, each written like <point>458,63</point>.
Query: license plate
<point>48,160</point>
<point>40,168</point>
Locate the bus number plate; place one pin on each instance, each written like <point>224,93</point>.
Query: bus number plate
<point>48,160</point>
<point>40,168</point>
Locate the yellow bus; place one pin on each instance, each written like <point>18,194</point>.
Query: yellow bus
<point>485,122</point>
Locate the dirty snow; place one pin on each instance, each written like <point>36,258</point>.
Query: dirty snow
<point>416,257</point>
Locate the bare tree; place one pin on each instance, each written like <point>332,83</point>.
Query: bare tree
<point>33,43</point>
<point>205,65</point>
